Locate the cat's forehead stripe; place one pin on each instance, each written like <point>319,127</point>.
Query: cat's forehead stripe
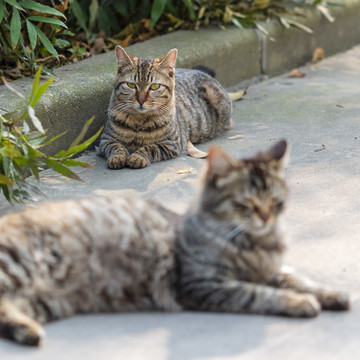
<point>144,69</point>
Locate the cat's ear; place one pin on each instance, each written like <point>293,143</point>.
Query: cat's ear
<point>219,163</point>
<point>168,61</point>
<point>123,58</point>
<point>280,152</point>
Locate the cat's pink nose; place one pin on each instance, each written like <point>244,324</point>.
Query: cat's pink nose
<point>141,99</point>
<point>265,217</point>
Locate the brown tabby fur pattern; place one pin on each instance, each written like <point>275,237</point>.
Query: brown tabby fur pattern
<point>127,254</point>
<point>154,111</point>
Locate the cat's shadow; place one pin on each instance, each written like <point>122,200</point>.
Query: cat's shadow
<point>160,336</point>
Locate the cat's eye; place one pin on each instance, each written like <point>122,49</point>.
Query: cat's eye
<point>131,85</point>
<point>241,207</point>
<point>154,86</point>
<point>279,205</point>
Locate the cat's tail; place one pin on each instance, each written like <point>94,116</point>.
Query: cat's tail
<point>206,70</point>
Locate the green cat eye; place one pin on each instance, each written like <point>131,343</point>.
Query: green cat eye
<point>154,86</point>
<point>131,85</point>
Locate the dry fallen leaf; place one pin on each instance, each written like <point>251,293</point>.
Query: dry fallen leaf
<point>296,73</point>
<point>319,54</point>
<point>235,137</point>
<point>183,171</point>
<point>194,152</point>
<point>235,96</point>
<point>321,149</point>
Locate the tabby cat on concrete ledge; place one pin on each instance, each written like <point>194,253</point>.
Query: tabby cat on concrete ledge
<point>154,111</point>
<point>130,254</point>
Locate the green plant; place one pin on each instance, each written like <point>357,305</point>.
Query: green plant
<point>21,139</point>
<point>28,28</point>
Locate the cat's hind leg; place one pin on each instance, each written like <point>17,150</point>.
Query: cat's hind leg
<point>329,299</point>
<point>17,326</point>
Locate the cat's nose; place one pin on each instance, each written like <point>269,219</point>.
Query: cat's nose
<point>265,216</point>
<point>141,99</point>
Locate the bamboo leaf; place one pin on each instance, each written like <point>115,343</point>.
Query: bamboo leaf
<point>32,34</point>
<point>76,149</point>
<point>93,13</point>
<point>2,10</point>
<point>15,27</point>
<point>156,11</point>
<point>61,169</point>
<point>47,20</point>
<point>6,181</point>
<point>54,139</point>
<point>13,89</point>
<point>32,5</point>
<point>9,152</point>
<point>35,84</point>
<point>35,119</point>
<point>83,164</point>
<point>79,14</point>
<point>325,11</point>
<point>82,133</point>
<point>121,8</point>
<point>236,23</point>
<point>300,26</point>
<point>46,42</point>
<point>39,92</point>
<point>189,4</point>
<point>25,162</point>
<point>15,4</point>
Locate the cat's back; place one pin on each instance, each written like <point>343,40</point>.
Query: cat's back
<point>99,246</point>
<point>203,106</point>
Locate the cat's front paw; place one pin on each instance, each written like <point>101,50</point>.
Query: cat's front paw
<point>116,162</point>
<point>137,161</point>
<point>302,305</point>
<point>333,300</point>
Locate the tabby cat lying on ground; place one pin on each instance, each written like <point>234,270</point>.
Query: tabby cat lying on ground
<point>153,112</point>
<point>127,254</point>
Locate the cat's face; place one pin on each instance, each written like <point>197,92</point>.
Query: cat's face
<point>250,191</point>
<point>145,86</point>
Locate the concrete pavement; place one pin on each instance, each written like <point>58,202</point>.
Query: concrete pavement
<point>320,116</point>
<point>82,90</point>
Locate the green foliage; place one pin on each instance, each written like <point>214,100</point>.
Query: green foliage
<point>21,139</point>
<point>28,28</point>
<point>34,32</point>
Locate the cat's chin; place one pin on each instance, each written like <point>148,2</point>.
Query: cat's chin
<point>142,110</point>
<point>261,231</point>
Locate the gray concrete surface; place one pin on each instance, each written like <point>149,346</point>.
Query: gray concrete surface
<point>320,116</point>
<point>82,90</point>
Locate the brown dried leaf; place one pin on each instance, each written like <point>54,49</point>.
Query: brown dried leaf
<point>235,137</point>
<point>194,152</point>
<point>183,171</point>
<point>319,54</point>
<point>296,73</point>
<point>321,149</point>
<point>235,96</point>
<point>62,7</point>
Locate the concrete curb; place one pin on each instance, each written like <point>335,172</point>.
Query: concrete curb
<point>82,90</point>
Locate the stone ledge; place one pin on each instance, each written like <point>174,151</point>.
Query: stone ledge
<point>82,90</point>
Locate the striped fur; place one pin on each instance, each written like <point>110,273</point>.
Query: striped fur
<point>127,254</point>
<point>146,126</point>
<point>95,255</point>
<point>229,249</point>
